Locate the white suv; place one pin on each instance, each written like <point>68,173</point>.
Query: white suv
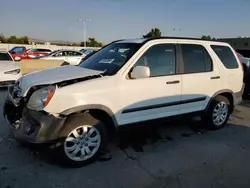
<point>128,81</point>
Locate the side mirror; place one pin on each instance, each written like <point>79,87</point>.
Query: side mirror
<point>140,72</point>
<point>17,58</point>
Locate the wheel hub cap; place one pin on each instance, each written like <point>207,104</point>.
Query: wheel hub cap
<point>220,113</point>
<point>82,143</point>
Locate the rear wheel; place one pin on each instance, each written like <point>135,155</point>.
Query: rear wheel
<point>83,139</point>
<point>218,113</point>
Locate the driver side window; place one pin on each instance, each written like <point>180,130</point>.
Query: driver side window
<point>160,59</point>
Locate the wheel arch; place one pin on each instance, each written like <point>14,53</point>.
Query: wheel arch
<point>98,111</point>
<point>226,93</point>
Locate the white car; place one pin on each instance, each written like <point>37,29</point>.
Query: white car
<point>71,56</point>
<point>75,108</point>
<point>9,70</point>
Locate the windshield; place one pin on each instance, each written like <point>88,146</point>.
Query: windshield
<point>5,56</point>
<point>111,58</point>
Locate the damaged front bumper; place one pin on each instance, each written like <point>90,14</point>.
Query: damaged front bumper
<point>35,127</point>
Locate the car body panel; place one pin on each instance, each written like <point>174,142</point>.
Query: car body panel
<point>54,75</point>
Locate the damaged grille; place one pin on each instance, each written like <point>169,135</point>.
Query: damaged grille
<point>14,93</point>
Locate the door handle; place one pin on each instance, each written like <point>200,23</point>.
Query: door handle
<point>173,82</point>
<point>215,77</point>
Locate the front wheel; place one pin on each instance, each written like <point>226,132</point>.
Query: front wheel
<point>84,137</point>
<point>218,113</point>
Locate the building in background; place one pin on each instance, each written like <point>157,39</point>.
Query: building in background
<point>240,44</point>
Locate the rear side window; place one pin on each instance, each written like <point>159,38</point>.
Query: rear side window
<point>226,56</point>
<point>196,59</point>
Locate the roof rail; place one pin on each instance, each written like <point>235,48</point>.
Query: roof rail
<point>163,37</point>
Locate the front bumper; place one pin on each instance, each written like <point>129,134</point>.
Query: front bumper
<point>32,126</point>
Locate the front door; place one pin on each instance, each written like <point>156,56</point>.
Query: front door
<point>154,97</point>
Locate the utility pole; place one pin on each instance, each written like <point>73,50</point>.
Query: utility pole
<point>84,21</point>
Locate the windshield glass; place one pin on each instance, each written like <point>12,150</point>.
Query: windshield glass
<point>111,58</point>
<point>5,56</point>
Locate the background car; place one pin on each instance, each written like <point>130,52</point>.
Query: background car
<point>9,70</point>
<point>21,52</point>
<point>73,57</point>
<point>246,66</point>
<point>244,60</point>
<point>34,52</point>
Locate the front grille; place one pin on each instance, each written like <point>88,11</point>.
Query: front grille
<point>14,92</point>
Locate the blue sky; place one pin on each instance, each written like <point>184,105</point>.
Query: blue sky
<point>115,19</point>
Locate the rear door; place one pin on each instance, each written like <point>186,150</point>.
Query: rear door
<point>200,76</point>
<point>232,73</point>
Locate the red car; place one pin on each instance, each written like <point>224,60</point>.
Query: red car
<point>21,52</point>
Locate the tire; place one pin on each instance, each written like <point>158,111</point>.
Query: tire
<point>77,125</point>
<point>211,119</point>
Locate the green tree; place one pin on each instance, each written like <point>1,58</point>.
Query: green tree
<point>24,40</point>
<point>2,39</point>
<point>155,32</point>
<point>204,37</point>
<point>12,40</point>
<point>92,43</point>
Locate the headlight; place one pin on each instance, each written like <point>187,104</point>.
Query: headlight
<point>16,71</point>
<point>41,97</point>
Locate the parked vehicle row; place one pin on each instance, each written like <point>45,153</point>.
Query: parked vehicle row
<point>76,108</point>
<point>73,57</point>
<point>21,52</point>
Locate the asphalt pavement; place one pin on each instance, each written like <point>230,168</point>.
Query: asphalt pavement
<point>173,154</point>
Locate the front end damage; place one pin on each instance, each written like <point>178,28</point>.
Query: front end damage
<point>29,125</point>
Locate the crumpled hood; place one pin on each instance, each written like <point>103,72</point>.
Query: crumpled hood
<point>54,75</point>
<point>8,65</point>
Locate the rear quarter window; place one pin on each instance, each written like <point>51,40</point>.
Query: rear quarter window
<point>226,56</point>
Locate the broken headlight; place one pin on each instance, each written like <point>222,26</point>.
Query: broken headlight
<point>41,98</point>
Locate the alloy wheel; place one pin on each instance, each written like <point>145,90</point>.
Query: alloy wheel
<point>82,143</point>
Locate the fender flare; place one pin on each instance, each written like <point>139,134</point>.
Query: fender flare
<point>92,107</point>
<point>218,93</point>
